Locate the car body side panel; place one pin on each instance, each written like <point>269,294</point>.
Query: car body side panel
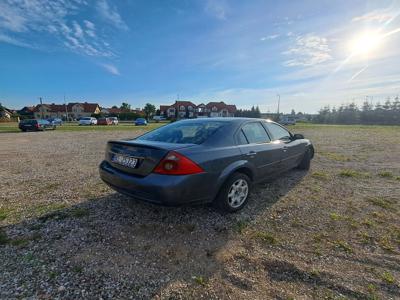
<point>293,152</point>
<point>265,158</point>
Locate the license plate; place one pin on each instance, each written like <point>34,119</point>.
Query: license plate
<point>123,160</point>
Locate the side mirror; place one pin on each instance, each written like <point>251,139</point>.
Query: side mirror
<point>298,136</point>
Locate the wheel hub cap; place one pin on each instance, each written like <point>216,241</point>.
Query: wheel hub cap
<point>238,193</point>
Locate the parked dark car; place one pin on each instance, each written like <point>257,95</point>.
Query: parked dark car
<point>35,125</point>
<point>55,121</point>
<point>140,122</point>
<point>203,160</point>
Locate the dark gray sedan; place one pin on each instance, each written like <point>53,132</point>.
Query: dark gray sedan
<point>203,160</point>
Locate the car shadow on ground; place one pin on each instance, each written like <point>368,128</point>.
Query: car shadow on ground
<point>136,247</point>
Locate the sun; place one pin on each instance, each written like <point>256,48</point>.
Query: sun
<point>365,43</point>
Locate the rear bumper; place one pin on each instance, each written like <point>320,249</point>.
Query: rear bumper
<point>159,189</point>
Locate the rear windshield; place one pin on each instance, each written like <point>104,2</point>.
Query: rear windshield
<point>184,132</point>
<point>28,121</point>
<point>86,118</point>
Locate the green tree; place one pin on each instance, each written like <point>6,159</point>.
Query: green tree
<point>125,106</point>
<point>149,110</point>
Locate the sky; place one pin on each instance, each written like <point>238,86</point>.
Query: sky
<point>310,53</point>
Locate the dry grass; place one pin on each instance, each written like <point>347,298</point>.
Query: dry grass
<point>331,233</point>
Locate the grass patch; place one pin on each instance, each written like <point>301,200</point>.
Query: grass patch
<point>335,216</point>
<point>77,269</point>
<point>266,237</point>
<point>42,209</point>
<point>51,186</point>
<point>388,277</point>
<point>79,212</point>
<point>320,175</point>
<point>240,226</point>
<point>342,245</point>
<point>381,202</point>
<point>19,242</point>
<point>53,274</point>
<point>349,173</point>
<point>200,280</point>
<point>366,238</point>
<point>335,156</point>
<point>3,214</point>
<point>386,174</point>
<point>386,244</point>
<point>369,223</point>
<point>3,237</point>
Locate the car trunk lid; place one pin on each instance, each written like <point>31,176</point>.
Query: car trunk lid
<point>138,157</point>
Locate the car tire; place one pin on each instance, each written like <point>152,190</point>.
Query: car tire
<point>306,161</point>
<point>234,193</point>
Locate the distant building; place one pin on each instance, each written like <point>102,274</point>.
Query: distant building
<point>188,110</point>
<point>220,109</point>
<point>73,110</point>
<point>5,113</point>
<point>27,112</point>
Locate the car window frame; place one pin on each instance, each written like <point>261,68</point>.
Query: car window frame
<point>248,142</point>
<point>265,124</point>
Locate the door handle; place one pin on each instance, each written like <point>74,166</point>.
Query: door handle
<point>251,153</point>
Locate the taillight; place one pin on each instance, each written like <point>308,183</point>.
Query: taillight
<point>177,164</point>
<point>37,125</point>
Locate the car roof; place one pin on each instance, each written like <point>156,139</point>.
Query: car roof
<point>236,120</point>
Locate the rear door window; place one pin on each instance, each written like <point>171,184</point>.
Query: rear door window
<point>278,132</point>
<point>255,133</point>
<point>241,138</point>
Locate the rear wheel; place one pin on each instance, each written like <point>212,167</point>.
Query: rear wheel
<point>306,161</point>
<point>234,193</point>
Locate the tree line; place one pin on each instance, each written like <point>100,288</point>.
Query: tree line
<point>254,112</point>
<point>369,113</point>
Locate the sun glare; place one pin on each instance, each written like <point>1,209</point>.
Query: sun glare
<point>366,43</point>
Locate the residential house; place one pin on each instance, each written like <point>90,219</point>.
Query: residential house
<point>187,109</point>
<point>72,110</point>
<point>179,110</point>
<point>5,113</point>
<point>220,109</point>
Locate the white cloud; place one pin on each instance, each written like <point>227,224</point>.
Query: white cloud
<point>10,40</point>
<point>78,30</point>
<point>216,8</point>
<point>22,20</point>
<point>377,16</point>
<point>111,69</point>
<point>308,50</point>
<point>110,14</point>
<point>269,37</point>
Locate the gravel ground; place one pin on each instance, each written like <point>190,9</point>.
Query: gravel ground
<point>332,232</point>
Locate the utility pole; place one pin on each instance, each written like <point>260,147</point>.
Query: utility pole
<point>279,102</point>
<point>66,110</point>
<point>41,107</point>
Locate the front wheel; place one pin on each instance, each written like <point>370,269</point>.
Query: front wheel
<point>234,193</point>
<point>306,161</point>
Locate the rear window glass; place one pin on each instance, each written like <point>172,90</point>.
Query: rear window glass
<point>255,133</point>
<point>184,132</point>
<point>86,118</point>
<point>28,122</point>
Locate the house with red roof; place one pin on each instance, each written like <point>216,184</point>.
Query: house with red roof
<point>179,110</point>
<point>74,110</point>
<point>187,109</point>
